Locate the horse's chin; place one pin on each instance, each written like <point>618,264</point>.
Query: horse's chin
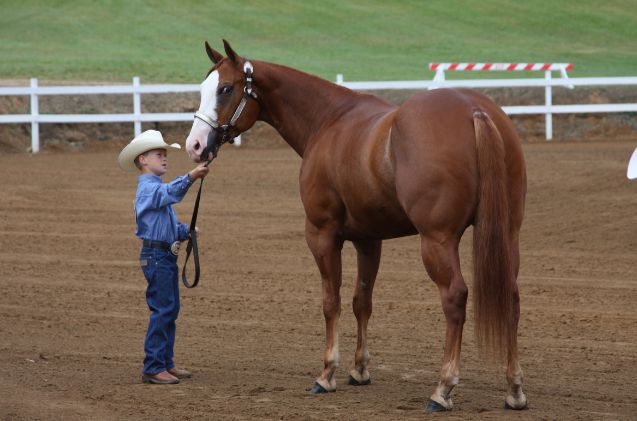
<point>194,157</point>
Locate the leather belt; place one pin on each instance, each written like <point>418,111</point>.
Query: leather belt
<point>163,245</point>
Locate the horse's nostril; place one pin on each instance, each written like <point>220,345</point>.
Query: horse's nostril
<point>197,146</point>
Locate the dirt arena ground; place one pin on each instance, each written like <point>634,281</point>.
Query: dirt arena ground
<point>73,313</point>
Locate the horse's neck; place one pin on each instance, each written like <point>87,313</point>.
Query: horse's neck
<point>299,105</point>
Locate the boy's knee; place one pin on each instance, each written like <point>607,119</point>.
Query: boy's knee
<point>169,313</point>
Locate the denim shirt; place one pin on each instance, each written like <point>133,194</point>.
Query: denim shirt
<point>156,218</point>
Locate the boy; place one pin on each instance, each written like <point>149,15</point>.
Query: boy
<point>161,234</point>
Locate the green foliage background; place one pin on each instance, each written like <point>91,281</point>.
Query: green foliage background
<point>162,41</point>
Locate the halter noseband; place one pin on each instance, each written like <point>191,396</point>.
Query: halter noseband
<point>224,129</point>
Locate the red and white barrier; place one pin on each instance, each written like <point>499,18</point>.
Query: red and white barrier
<point>547,68</point>
<point>501,66</point>
<point>440,68</point>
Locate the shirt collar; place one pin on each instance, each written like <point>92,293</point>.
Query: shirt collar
<point>149,177</point>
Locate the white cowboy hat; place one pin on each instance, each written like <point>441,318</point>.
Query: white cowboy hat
<point>147,141</point>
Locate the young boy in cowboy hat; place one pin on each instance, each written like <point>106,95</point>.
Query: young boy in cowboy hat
<point>161,233</point>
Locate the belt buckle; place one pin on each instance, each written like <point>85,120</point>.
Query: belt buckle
<point>174,248</point>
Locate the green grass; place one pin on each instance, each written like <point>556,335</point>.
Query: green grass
<point>162,41</point>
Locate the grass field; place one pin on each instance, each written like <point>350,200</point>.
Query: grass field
<point>162,41</point>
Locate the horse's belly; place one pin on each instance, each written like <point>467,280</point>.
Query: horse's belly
<point>372,209</point>
<point>376,222</point>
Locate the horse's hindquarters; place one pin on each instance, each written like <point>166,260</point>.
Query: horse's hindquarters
<point>433,147</point>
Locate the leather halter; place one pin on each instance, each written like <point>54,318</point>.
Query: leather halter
<point>223,130</point>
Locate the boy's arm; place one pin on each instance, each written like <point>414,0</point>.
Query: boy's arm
<point>179,186</point>
<point>168,194</point>
<point>160,195</point>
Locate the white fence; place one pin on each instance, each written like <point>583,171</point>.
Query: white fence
<point>137,89</point>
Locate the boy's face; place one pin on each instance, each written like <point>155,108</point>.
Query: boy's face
<point>155,161</point>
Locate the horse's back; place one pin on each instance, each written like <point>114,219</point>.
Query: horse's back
<point>433,143</point>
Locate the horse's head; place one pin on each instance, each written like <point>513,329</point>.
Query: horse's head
<point>228,104</point>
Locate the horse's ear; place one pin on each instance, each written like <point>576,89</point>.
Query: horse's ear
<point>214,56</point>
<point>229,51</point>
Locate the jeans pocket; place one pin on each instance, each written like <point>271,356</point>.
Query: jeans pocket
<point>148,263</point>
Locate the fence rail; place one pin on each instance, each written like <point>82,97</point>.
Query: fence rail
<point>138,117</point>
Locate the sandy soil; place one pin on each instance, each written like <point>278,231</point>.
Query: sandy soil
<point>73,314</point>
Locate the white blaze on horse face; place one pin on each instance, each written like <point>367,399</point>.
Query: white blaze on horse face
<point>199,132</point>
<point>209,95</point>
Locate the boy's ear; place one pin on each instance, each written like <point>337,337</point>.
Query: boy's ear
<point>141,160</point>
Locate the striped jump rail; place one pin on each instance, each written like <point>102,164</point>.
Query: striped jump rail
<point>518,67</point>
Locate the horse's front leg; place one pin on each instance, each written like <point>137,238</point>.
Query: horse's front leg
<point>368,258</point>
<point>326,247</point>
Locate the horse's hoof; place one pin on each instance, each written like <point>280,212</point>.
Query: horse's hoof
<point>433,406</point>
<point>353,382</point>
<point>522,408</point>
<point>317,388</point>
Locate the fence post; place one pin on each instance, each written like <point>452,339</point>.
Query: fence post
<point>438,77</point>
<point>137,106</point>
<point>440,74</point>
<point>35,112</point>
<point>548,98</point>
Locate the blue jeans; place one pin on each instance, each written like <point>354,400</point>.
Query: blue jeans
<point>162,295</point>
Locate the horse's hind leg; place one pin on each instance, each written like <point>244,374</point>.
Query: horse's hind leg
<point>515,398</point>
<point>440,256</point>
<point>368,257</point>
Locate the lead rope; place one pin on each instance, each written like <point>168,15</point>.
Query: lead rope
<point>192,242</point>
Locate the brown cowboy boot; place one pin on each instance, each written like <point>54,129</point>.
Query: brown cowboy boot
<point>180,373</point>
<point>160,378</point>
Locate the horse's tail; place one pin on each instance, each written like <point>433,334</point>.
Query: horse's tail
<point>492,263</point>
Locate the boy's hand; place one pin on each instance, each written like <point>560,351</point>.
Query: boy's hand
<point>196,232</point>
<point>200,171</point>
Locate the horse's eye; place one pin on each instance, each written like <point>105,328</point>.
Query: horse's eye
<point>225,90</point>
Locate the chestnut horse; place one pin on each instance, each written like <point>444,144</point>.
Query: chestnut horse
<point>442,161</point>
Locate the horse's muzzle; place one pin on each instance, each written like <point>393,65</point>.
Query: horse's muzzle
<point>213,143</point>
